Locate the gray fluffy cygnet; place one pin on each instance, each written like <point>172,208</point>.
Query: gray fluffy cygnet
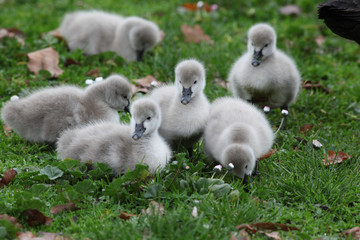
<point>118,145</point>
<point>264,75</point>
<point>238,133</point>
<point>44,114</point>
<point>184,106</point>
<point>98,31</point>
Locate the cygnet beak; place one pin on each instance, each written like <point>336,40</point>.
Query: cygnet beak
<point>139,54</point>
<point>257,58</point>
<point>127,107</point>
<point>186,95</point>
<point>139,130</point>
<point>247,179</point>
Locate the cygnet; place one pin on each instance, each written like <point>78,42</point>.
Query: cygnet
<point>98,31</point>
<point>237,133</point>
<point>184,106</point>
<point>265,75</point>
<point>118,145</point>
<point>44,114</point>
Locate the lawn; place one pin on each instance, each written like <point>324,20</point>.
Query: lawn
<point>295,187</point>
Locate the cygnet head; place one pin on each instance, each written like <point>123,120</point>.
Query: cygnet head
<point>117,92</point>
<point>261,42</point>
<point>143,35</point>
<point>145,117</point>
<point>189,79</point>
<point>243,159</point>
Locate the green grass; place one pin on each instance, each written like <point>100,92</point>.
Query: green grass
<point>293,183</point>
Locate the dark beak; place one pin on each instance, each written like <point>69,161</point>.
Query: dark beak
<point>257,58</point>
<point>127,108</point>
<point>139,130</point>
<point>247,179</point>
<point>186,95</point>
<point>139,55</point>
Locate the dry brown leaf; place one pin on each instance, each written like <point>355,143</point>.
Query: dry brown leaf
<point>44,59</point>
<point>353,232</point>
<point>70,61</point>
<point>56,33</point>
<point>145,84</point>
<point>320,40</point>
<point>7,177</point>
<point>273,235</point>
<point>13,33</point>
<point>222,83</point>
<point>333,158</point>
<point>194,6</point>
<point>7,130</point>
<point>306,128</point>
<point>63,207</point>
<point>94,73</point>
<point>126,216</point>
<point>309,85</point>
<point>154,208</point>
<point>269,154</point>
<point>253,227</point>
<point>11,219</point>
<point>195,34</point>
<point>42,236</point>
<point>290,9</point>
<point>35,217</point>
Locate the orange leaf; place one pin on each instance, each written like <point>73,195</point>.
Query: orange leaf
<point>306,128</point>
<point>269,154</point>
<point>126,216</point>
<point>93,73</point>
<point>44,59</point>
<point>333,158</point>
<point>35,217</point>
<point>194,6</point>
<point>63,207</point>
<point>8,176</point>
<point>145,84</point>
<point>195,34</point>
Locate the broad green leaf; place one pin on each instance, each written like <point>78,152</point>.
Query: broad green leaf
<point>220,190</point>
<point>25,200</point>
<point>85,186</point>
<point>39,189</point>
<point>153,190</point>
<point>101,170</point>
<point>68,164</point>
<point>52,172</point>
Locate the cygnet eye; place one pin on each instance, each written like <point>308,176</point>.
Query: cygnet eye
<point>125,97</point>
<point>148,118</point>
<point>246,166</point>
<point>266,45</point>
<point>195,82</point>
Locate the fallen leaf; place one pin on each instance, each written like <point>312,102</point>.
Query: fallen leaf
<point>7,177</point>
<point>194,212</point>
<point>269,154</point>
<point>320,40</point>
<point>306,128</point>
<point>290,9</point>
<point>317,144</point>
<point>93,73</point>
<point>7,130</point>
<point>253,227</point>
<point>11,219</point>
<point>13,33</point>
<point>56,33</point>
<point>70,61</point>
<point>222,83</point>
<point>333,158</point>
<point>195,34</point>
<point>353,232</point>
<point>63,207</point>
<point>309,85</point>
<point>273,235</point>
<point>301,140</point>
<point>44,59</point>
<point>42,236</point>
<point>35,217</point>
<point>154,208</point>
<point>194,6</point>
<point>145,84</point>
<point>126,216</point>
